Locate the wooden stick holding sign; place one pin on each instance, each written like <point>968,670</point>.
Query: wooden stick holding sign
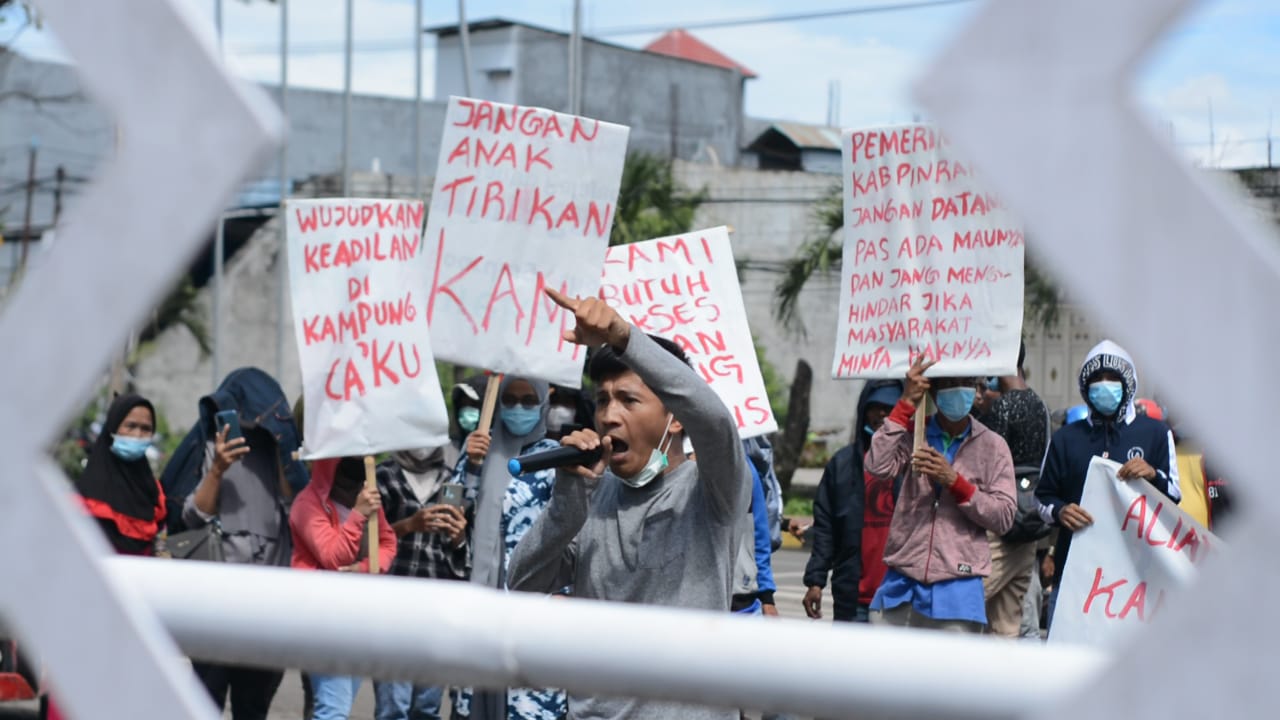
<point>916,381</point>
<point>922,420</point>
<point>371,528</point>
<point>490,403</point>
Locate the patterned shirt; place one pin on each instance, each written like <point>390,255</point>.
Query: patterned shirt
<point>427,555</point>
<point>1021,418</point>
<point>526,497</point>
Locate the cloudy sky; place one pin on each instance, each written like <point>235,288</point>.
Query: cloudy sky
<point>1220,61</point>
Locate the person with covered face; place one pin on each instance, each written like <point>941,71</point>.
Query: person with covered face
<point>117,486</point>
<point>505,508</point>
<point>961,486</point>
<point>658,529</point>
<point>1113,429</point>
<point>329,522</point>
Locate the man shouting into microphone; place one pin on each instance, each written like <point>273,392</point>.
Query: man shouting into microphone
<point>659,528</point>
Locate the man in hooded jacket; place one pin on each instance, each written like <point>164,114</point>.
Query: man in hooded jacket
<point>1114,430</point>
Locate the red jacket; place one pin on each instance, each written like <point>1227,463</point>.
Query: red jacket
<point>942,536</point>
<point>320,542</point>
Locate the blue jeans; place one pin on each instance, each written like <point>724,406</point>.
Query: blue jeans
<point>334,695</point>
<point>406,701</point>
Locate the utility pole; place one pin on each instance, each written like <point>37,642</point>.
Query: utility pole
<point>282,270</point>
<point>464,35</point>
<point>575,62</point>
<point>417,99</point>
<point>59,177</point>
<point>31,193</point>
<point>346,107</point>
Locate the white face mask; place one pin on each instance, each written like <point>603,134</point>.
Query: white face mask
<point>558,416</point>
<point>657,462</point>
<point>420,454</point>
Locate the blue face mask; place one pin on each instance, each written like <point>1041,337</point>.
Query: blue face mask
<point>469,418</point>
<point>955,403</point>
<point>1105,396</point>
<point>868,430</point>
<point>520,421</point>
<point>129,448</point>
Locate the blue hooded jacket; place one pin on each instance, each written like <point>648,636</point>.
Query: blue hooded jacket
<point>1121,437</point>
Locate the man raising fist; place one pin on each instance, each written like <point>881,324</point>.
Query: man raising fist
<point>659,528</point>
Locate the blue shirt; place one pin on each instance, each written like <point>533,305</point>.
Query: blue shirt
<point>763,544</point>
<point>955,599</point>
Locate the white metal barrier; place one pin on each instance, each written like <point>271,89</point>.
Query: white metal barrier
<point>457,633</point>
<point>1036,89</point>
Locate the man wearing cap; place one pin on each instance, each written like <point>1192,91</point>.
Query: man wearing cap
<point>851,515</point>
<point>959,487</point>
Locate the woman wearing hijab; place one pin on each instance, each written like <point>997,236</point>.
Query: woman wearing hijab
<point>117,486</point>
<point>506,508</point>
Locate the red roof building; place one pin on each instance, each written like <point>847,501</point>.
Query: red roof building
<point>683,45</point>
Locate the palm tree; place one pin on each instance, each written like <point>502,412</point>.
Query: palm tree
<point>821,255</point>
<point>651,202</point>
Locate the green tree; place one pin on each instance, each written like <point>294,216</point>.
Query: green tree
<point>821,254</point>
<point>651,202</point>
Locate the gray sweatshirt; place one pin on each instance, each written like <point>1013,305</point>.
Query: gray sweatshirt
<point>672,542</point>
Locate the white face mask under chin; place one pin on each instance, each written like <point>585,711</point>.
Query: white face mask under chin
<point>657,462</point>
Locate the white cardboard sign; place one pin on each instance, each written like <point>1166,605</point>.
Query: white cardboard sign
<point>1141,548</point>
<point>357,273</point>
<point>685,288</point>
<point>932,262</point>
<point>524,200</point>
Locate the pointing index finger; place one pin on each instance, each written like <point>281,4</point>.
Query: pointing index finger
<point>567,303</point>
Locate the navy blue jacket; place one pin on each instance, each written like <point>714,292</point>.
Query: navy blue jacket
<point>1075,445</point>
<point>260,403</point>
<point>839,509</point>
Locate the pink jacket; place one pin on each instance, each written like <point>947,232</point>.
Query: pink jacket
<point>941,537</point>
<point>320,542</point>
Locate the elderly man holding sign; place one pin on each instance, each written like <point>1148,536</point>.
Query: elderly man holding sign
<point>658,528</point>
<point>960,486</point>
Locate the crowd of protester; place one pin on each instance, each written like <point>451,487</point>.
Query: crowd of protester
<point>967,532</point>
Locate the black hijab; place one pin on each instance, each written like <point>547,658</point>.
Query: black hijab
<point>122,495</point>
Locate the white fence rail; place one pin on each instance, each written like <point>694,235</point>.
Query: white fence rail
<point>457,633</point>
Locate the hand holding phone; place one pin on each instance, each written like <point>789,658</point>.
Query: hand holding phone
<point>229,419</point>
<point>229,444</point>
<point>453,494</point>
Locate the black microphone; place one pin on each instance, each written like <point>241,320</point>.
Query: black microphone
<point>563,456</point>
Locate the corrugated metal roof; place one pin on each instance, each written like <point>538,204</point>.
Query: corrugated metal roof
<point>817,137</point>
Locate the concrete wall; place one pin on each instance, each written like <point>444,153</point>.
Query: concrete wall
<point>771,213</point>
<point>494,59</point>
<point>822,161</point>
<point>76,133</point>
<point>174,374</point>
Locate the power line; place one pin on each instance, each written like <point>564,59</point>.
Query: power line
<point>400,44</point>
<point>774,19</point>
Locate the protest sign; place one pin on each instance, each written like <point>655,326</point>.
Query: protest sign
<point>685,288</point>
<point>932,262</point>
<point>524,200</point>
<point>1141,548</point>
<point>357,273</point>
